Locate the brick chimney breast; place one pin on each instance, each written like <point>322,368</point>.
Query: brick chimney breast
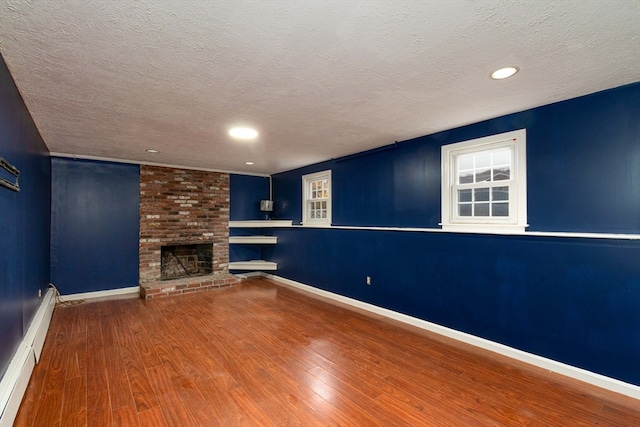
<point>179,206</point>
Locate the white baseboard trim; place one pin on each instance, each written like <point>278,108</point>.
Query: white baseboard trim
<point>16,379</point>
<point>580,374</point>
<point>100,294</point>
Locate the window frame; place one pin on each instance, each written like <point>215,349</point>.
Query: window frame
<point>306,199</point>
<point>516,221</point>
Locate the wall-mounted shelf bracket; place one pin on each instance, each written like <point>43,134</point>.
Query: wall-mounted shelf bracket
<point>13,171</point>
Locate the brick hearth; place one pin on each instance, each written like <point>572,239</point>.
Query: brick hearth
<point>179,206</point>
<point>166,288</point>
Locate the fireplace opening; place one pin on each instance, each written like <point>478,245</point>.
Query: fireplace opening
<point>179,261</point>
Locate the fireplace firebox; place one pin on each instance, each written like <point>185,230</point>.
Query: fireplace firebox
<point>189,260</point>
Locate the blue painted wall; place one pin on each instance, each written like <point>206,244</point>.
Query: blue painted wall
<point>569,299</point>
<point>94,225</point>
<point>247,192</point>
<point>24,219</point>
<point>583,170</point>
<point>244,204</point>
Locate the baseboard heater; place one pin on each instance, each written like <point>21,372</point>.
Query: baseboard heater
<point>16,379</point>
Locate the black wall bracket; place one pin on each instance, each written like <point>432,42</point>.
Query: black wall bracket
<point>13,171</point>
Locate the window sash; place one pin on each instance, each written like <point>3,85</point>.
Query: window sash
<point>491,201</point>
<point>499,161</point>
<point>317,198</point>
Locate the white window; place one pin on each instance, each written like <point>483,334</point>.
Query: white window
<point>484,184</point>
<point>316,198</point>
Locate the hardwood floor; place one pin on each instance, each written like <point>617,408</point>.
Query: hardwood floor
<point>260,354</point>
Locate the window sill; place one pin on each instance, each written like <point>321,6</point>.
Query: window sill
<point>315,225</point>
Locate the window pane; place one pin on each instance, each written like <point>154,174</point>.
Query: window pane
<point>483,160</point>
<point>465,177</point>
<point>313,185</point>
<point>500,209</point>
<point>326,194</point>
<point>500,193</point>
<point>465,162</point>
<point>464,195</point>
<point>481,209</point>
<point>502,173</point>
<point>481,194</point>
<point>502,157</point>
<point>483,175</point>
<point>464,209</point>
<point>323,205</point>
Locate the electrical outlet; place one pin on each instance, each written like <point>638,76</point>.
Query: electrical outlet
<point>39,293</point>
<point>368,280</point>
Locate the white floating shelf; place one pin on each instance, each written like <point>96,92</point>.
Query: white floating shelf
<point>253,265</point>
<point>258,240</point>
<point>261,223</point>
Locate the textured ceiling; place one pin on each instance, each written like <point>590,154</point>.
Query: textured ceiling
<point>318,79</point>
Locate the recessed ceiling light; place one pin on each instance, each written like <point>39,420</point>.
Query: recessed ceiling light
<point>248,163</point>
<point>503,73</point>
<point>243,133</point>
<point>151,150</point>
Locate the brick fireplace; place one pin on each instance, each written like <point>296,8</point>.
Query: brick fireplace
<point>185,208</point>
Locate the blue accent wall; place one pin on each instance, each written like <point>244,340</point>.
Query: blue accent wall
<point>583,170</point>
<point>247,192</point>
<point>575,300</point>
<point>24,219</point>
<point>94,225</point>
<point>244,204</point>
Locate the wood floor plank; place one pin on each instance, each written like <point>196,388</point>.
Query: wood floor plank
<point>143,395</point>
<point>119,389</point>
<point>29,406</point>
<point>152,417</point>
<point>328,415</point>
<point>74,403</point>
<point>50,407</point>
<point>142,340</point>
<point>260,354</point>
<point>125,416</point>
<point>170,401</point>
<point>354,393</point>
<point>77,362</point>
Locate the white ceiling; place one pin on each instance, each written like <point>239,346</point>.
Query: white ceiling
<point>318,79</point>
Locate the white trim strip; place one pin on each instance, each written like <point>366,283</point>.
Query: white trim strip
<point>249,275</point>
<point>15,380</point>
<point>164,165</point>
<point>253,240</point>
<point>589,377</point>
<point>14,383</point>
<point>261,223</point>
<point>257,264</point>
<point>99,294</point>
<point>492,232</point>
<point>39,326</point>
